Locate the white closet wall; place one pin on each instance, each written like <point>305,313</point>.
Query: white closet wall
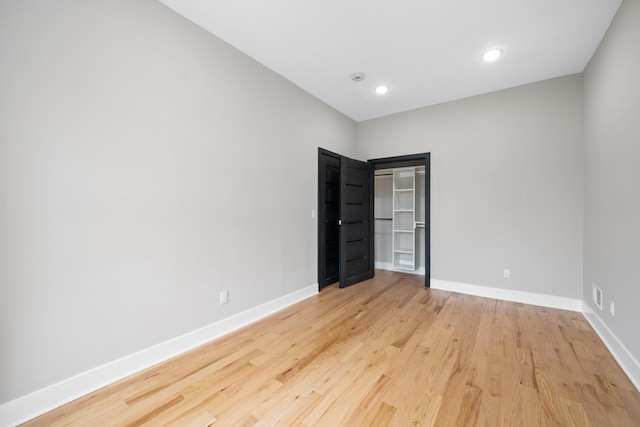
<point>383,213</point>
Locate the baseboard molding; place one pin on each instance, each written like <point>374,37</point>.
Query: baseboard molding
<point>30,406</point>
<point>389,266</point>
<point>543,300</point>
<point>623,356</point>
<point>625,359</point>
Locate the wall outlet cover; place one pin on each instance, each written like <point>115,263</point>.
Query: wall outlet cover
<point>612,308</point>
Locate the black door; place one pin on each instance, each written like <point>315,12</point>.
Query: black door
<point>356,225</point>
<point>328,216</point>
<point>345,226</point>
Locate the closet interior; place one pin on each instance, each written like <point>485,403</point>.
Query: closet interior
<point>400,219</point>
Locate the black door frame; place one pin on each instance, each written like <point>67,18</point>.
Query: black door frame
<point>408,161</point>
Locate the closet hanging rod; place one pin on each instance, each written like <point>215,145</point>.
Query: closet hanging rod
<point>383,219</point>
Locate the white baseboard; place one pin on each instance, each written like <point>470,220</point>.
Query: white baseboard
<point>389,266</point>
<point>625,359</point>
<point>543,300</point>
<point>30,406</point>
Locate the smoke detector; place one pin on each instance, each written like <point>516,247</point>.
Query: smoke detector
<point>357,77</point>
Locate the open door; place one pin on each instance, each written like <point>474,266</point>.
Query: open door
<point>356,222</point>
<point>345,220</point>
<point>328,217</point>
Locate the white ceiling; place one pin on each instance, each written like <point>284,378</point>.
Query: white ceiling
<point>426,51</point>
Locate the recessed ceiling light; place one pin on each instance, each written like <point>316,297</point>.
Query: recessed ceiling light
<point>381,90</point>
<point>491,55</point>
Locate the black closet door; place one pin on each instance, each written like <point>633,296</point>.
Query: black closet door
<point>356,225</point>
<point>328,217</point>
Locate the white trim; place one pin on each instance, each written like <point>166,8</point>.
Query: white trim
<point>623,356</point>
<point>389,266</point>
<point>30,406</point>
<point>551,301</point>
<point>620,353</point>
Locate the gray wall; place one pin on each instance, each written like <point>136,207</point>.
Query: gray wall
<point>506,183</point>
<point>612,178</point>
<point>145,166</point>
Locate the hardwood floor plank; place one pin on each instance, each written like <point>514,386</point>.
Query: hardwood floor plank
<point>364,412</point>
<point>426,411</point>
<point>229,413</point>
<point>203,420</point>
<point>384,352</point>
<point>150,415</point>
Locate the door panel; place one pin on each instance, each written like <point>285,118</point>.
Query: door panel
<point>357,249</point>
<point>355,268</point>
<point>353,213</point>
<point>355,192</point>
<point>356,242</point>
<point>356,231</point>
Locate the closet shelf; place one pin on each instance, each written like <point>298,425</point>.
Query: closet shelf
<point>405,264</point>
<point>403,251</point>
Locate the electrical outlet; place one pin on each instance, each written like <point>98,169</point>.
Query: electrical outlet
<point>506,273</point>
<point>597,296</point>
<point>612,309</point>
<point>224,297</point>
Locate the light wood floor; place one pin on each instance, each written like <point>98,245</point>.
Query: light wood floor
<point>383,352</point>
